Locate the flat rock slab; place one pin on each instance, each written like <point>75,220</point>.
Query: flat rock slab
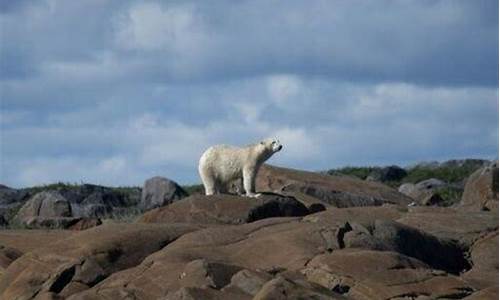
<point>335,190</point>
<point>365,215</point>
<point>225,209</point>
<point>366,274</point>
<point>26,240</point>
<point>464,227</point>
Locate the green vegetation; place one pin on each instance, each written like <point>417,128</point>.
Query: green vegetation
<point>446,172</point>
<point>195,189</point>
<point>52,187</point>
<point>359,172</point>
<point>452,172</point>
<point>124,215</point>
<point>450,195</point>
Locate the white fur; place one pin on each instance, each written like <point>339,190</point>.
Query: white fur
<point>219,165</point>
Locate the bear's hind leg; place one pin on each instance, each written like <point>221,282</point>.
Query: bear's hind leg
<point>208,182</point>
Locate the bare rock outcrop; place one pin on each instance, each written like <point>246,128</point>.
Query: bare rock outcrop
<point>226,209</point>
<point>335,190</point>
<point>481,189</point>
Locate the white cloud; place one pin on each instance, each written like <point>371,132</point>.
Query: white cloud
<point>150,26</point>
<point>124,142</point>
<point>282,88</point>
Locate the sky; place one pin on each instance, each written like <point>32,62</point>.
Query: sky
<point>113,92</point>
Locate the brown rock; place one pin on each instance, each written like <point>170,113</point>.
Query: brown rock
<point>225,209</point>
<point>439,253</point>
<point>248,281</point>
<point>464,227</point>
<point>8,255</point>
<point>484,256</point>
<point>202,273</point>
<point>194,293</point>
<point>87,257</point>
<point>366,274</point>
<point>481,190</point>
<point>365,216</point>
<point>85,223</point>
<point>282,289</point>
<point>271,244</point>
<point>339,191</point>
<point>490,293</point>
<point>29,240</point>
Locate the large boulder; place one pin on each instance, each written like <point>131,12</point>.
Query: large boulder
<point>159,191</point>
<point>336,190</point>
<point>51,210</point>
<point>48,204</point>
<point>225,209</point>
<point>481,189</point>
<point>83,260</point>
<point>424,192</point>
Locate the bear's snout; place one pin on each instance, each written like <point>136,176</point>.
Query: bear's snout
<point>280,147</point>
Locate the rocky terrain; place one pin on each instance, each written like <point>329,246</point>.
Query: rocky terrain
<point>309,236</point>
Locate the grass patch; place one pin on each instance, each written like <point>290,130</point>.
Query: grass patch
<point>359,172</point>
<point>194,189</point>
<point>450,195</point>
<point>446,172</point>
<point>124,215</point>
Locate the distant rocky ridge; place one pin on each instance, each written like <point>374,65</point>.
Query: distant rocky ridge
<point>309,236</point>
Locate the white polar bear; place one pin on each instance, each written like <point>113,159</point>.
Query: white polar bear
<point>220,165</point>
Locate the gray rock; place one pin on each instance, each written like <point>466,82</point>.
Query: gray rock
<point>430,184</point>
<point>49,204</point>
<point>424,192</point>
<point>9,196</point>
<point>159,191</point>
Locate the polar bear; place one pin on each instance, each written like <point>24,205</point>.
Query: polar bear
<point>220,165</point>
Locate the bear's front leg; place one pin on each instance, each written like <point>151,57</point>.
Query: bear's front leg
<point>249,182</point>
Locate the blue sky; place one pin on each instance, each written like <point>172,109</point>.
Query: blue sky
<point>113,92</point>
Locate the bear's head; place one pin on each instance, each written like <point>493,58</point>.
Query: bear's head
<point>271,145</point>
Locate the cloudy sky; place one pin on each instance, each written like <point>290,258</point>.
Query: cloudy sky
<point>113,92</point>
